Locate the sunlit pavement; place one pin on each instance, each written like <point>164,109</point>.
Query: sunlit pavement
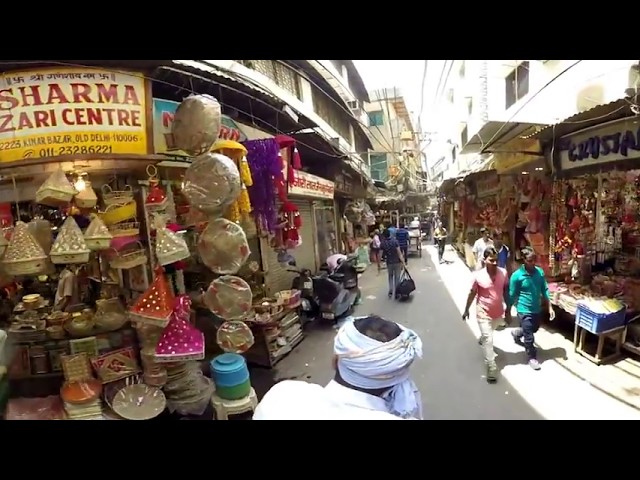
<point>451,374</point>
<point>554,391</point>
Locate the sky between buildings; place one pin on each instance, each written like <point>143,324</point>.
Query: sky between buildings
<point>407,76</point>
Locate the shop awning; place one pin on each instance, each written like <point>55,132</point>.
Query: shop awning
<point>493,135</point>
<point>521,154</point>
<point>198,65</point>
<point>594,116</point>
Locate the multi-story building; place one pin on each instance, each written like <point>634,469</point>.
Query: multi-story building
<point>484,105</point>
<point>396,153</point>
<point>322,98</point>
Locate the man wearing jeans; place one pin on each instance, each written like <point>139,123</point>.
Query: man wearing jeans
<point>394,259</point>
<point>529,292</point>
<point>490,288</point>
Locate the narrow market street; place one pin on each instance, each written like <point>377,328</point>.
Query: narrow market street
<point>450,375</point>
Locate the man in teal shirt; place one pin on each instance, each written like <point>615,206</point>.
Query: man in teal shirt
<point>529,292</point>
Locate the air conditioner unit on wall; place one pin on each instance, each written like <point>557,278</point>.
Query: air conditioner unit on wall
<point>353,104</point>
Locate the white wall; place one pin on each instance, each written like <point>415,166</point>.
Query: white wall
<point>587,84</point>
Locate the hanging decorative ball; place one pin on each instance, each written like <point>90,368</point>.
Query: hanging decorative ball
<point>196,124</point>
<point>223,247</point>
<point>229,297</point>
<point>212,183</point>
<point>235,337</point>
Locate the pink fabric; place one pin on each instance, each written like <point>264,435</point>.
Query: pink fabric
<point>490,297</point>
<point>180,341</point>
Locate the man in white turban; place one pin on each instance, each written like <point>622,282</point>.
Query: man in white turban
<point>372,357</point>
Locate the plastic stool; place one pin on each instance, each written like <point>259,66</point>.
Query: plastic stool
<point>224,408</point>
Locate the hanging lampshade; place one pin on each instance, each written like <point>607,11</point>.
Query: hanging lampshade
<point>4,243</point>
<point>156,198</point>
<point>155,305</point>
<point>24,255</point>
<point>170,247</point>
<point>223,247</point>
<point>56,190</point>
<point>41,231</point>
<point>69,246</point>
<point>180,341</point>
<point>97,235</point>
<point>196,124</point>
<point>86,198</point>
<point>212,183</point>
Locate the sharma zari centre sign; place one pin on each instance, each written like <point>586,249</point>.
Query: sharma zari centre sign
<point>71,111</point>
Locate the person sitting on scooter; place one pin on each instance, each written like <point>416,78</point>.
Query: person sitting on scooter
<point>395,261</point>
<point>334,260</point>
<point>372,359</point>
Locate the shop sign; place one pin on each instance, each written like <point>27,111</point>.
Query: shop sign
<point>487,186</point>
<point>163,113</point>
<point>307,185</point>
<point>610,142</point>
<point>344,184</point>
<point>71,111</point>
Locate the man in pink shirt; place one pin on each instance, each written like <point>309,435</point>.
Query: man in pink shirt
<point>490,288</point>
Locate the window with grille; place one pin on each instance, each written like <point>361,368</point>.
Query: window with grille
<point>464,137</point>
<point>280,74</point>
<point>379,167</point>
<point>517,84</point>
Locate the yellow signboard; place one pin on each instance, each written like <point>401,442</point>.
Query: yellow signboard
<point>71,111</point>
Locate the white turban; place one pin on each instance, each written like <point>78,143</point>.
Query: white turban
<point>370,364</point>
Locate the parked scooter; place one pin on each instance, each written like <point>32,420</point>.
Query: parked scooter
<point>337,291</point>
<point>308,304</point>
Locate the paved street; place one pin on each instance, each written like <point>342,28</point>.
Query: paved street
<point>450,376</point>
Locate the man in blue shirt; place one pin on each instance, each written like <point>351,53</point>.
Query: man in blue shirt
<point>529,292</point>
<point>402,236</point>
<point>504,254</point>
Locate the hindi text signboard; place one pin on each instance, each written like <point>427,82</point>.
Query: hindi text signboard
<point>307,185</point>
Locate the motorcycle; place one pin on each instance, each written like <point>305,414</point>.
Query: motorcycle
<point>308,303</point>
<point>337,291</point>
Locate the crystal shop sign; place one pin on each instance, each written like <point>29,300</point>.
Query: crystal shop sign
<point>602,144</point>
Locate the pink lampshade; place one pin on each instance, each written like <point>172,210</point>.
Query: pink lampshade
<point>180,341</point>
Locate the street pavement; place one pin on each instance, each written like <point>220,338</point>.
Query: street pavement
<point>450,375</point>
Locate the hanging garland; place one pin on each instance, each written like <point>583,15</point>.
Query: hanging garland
<point>265,164</point>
